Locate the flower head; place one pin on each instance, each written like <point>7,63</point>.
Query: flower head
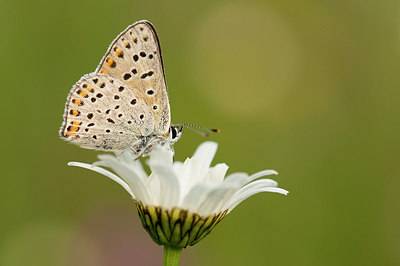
<point>180,203</point>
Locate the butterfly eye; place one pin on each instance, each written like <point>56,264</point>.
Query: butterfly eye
<point>173,132</point>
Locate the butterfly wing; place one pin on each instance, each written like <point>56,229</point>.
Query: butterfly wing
<point>104,113</point>
<point>134,57</point>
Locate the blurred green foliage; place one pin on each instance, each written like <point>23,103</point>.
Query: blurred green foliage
<point>309,88</point>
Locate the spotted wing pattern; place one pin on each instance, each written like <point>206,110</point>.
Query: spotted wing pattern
<point>104,113</point>
<point>134,57</point>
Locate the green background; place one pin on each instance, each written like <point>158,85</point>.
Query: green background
<point>309,88</point>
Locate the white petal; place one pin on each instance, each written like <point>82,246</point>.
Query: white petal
<point>204,154</point>
<point>252,189</point>
<point>195,170</point>
<point>268,182</point>
<point>216,199</point>
<point>177,166</point>
<point>153,185</point>
<point>130,176</point>
<point>262,173</point>
<point>233,204</point>
<point>160,163</point>
<point>134,165</point>
<point>195,196</point>
<point>244,178</point>
<point>161,156</point>
<point>104,172</point>
<point>187,177</point>
<point>217,173</point>
<point>127,158</point>
<point>237,178</point>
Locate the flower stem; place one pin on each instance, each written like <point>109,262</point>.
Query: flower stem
<point>171,256</point>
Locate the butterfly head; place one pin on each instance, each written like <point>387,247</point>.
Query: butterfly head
<point>175,133</point>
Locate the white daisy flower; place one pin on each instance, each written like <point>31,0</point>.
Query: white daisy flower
<point>180,203</point>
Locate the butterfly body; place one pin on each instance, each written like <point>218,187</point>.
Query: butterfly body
<point>124,103</point>
<point>145,144</point>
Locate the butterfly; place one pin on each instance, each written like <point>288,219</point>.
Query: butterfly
<point>123,105</point>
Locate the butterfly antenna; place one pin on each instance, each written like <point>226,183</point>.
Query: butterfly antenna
<point>195,129</point>
<point>204,134</point>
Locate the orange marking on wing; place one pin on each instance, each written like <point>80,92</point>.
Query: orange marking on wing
<point>89,89</point>
<point>103,71</point>
<point>73,129</point>
<point>83,94</point>
<point>70,135</point>
<point>109,62</point>
<point>77,102</point>
<point>134,38</point>
<point>76,123</point>
<point>118,52</point>
<point>127,45</point>
<point>75,112</point>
